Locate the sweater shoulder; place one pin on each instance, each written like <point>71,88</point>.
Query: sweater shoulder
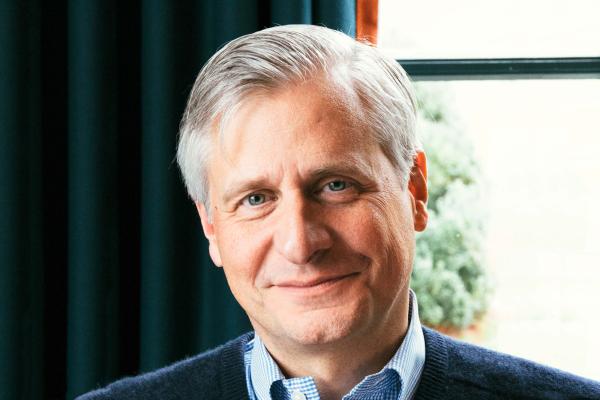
<point>199,376</point>
<point>508,376</point>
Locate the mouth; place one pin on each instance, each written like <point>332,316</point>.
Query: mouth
<point>315,284</point>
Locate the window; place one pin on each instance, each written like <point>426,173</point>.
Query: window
<point>489,29</point>
<point>534,125</point>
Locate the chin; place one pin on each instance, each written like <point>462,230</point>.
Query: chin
<point>325,326</point>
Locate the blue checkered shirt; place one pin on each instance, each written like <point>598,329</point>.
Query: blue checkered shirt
<point>397,380</point>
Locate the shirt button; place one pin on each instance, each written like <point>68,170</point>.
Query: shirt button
<point>297,395</point>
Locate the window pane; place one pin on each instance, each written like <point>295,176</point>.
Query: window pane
<point>489,29</point>
<point>538,146</point>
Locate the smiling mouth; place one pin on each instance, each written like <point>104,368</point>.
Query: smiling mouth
<point>315,283</point>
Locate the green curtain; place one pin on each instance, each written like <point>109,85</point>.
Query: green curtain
<point>104,271</point>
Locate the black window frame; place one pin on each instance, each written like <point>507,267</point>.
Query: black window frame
<point>502,68</point>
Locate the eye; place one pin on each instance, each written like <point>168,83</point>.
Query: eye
<point>255,199</point>
<point>337,186</point>
<point>338,191</point>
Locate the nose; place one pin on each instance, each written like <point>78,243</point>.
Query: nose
<point>301,235</point>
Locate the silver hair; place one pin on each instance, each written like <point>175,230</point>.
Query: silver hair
<point>282,55</point>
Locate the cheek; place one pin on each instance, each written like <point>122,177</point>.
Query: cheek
<point>380,221</point>
<point>382,229</point>
<point>243,250</point>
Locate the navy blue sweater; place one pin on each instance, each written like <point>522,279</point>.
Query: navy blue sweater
<point>453,370</point>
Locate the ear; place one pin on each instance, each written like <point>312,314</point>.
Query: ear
<point>417,185</point>
<point>209,232</point>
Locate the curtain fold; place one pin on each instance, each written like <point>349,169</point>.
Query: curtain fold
<point>93,273</point>
<point>104,271</point>
<point>21,258</point>
<point>169,268</point>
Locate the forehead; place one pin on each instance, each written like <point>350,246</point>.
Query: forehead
<point>303,126</point>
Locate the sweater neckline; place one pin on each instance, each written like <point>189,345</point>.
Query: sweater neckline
<point>233,375</point>
<point>432,385</point>
<point>434,379</point>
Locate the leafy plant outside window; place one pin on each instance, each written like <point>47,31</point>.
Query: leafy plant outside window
<point>449,275</point>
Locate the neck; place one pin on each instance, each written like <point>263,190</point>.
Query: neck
<point>338,367</point>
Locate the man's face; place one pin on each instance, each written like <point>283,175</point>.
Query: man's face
<point>310,221</point>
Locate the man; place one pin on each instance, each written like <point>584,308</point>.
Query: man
<point>298,147</point>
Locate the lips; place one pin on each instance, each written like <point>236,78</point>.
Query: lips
<point>314,282</point>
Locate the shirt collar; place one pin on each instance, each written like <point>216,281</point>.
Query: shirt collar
<point>263,370</point>
<point>408,361</point>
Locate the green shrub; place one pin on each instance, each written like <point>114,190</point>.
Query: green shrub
<point>449,275</point>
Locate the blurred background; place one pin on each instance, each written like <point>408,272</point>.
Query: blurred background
<point>103,268</point>
<point>526,148</point>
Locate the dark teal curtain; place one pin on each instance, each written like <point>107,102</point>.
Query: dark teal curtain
<point>103,268</point>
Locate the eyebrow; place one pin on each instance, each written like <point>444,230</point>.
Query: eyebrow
<point>351,167</point>
<point>237,187</point>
